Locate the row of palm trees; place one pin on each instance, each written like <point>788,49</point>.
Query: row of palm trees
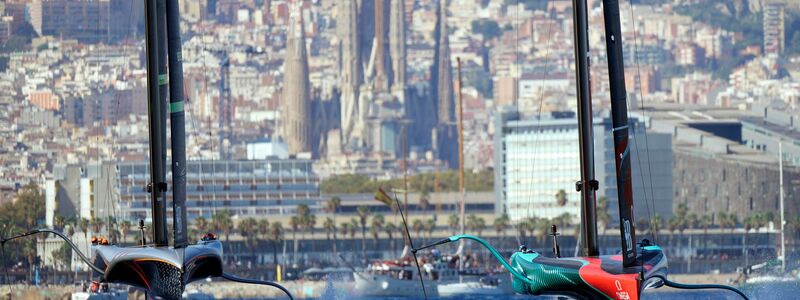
<point>254,231</point>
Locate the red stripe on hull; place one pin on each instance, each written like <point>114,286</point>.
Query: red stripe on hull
<point>615,286</point>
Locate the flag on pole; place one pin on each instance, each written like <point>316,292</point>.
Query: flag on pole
<point>382,197</point>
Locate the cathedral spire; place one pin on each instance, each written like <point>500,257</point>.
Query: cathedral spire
<point>444,77</point>
<point>397,45</point>
<point>351,75</point>
<point>296,97</point>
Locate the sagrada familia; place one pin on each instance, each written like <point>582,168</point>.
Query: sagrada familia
<point>375,113</point>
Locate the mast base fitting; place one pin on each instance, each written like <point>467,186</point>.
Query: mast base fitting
<point>162,186</point>
<point>524,249</point>
<point>593,184</point>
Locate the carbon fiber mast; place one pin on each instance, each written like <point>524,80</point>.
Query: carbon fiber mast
<point>619,123</point>
<point>158,184</point>
<point>177,124</point>
<point>588,184</point>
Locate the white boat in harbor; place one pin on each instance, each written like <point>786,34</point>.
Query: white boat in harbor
<point>441,279</point>
<point>401,279</point>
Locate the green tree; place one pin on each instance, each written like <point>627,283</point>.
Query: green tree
<point>454,222</point>
<point>332,207</point>
<point>363,214</point>
<point>263,230</point>
<point>475,224</point>
<point>222,221</point>
<point>389,229</point>
<point>330,228</point>
<point>63,257</point>
<point>248,229</point>
<point>353,229</point>
<point>201,224</point>
<point>83,225</point>
<point>276,237</point>
<point>705,222</point>
<point>430,226</point>
<point>500,225</point>
<point>375,228</point>
<point>417,226</point>
<point>295,223</point>
<point>655,224</point>
<point>124,230</point>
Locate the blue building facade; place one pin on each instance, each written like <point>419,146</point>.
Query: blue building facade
<point>243,187</point>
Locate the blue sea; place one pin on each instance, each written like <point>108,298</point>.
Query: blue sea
<point>782,291</point>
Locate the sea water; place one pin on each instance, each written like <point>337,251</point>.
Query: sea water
<point>764,291</point>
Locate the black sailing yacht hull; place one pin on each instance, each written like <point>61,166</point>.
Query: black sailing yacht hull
<point>164,271</point>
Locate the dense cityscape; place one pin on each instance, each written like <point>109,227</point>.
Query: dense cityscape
<point>299,111</point>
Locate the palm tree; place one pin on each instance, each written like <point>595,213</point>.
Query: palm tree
<point>332,207</point>
<point>263,229</point>
<point>310,223</point>
<point>749,223</point>
<point>376,227</point>
<point>733,220</point>
<point>113,235</point>
<point>363,214</point>
<point>201,224</point>
<point>295,224</point>
<point>655,224</point>
<point>561,198</point>
<point>430,226</point>
<point>302,213</point>
<point>500,224</point>
<point>223,222</point>
<point>705,222</point>
<point>97,225</point>
<point>543,225</point>
<point>476,224</point>
<point>454,222</point>
<point>248,229</point>
<point>353,229</point>
<point>522,227</point>
<point>124,229</point>
<point>389,229</point>
<point>83,225</point>
<point>276,236</point>
<point>329,227</point>
<point>417,226</point>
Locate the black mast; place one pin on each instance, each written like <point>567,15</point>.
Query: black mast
<point>619,122</point>
<point>155,107</point>
<point>588,185</point>
<point>177,124</point>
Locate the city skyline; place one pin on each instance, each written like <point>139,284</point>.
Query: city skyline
<point>339,82</point>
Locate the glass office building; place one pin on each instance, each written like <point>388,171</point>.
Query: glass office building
<point>245,187</point>
<point>536,158</point>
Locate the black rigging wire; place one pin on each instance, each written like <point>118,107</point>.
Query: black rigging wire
<point>62,236</point>
<point>684,286</point>
<point>644,130</point>
<point>411,244</point>
<point>254,281</point>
